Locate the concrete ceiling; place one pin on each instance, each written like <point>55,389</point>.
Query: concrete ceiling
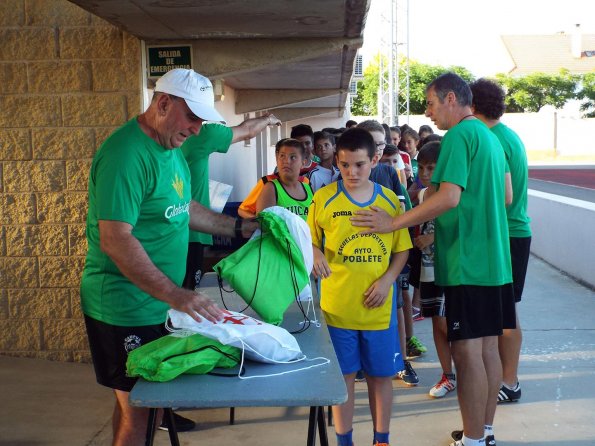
<point>295,57</point>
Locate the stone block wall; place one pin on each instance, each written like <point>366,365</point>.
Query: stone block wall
<point>67,79</point>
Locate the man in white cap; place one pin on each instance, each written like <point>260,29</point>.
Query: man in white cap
<point>140,209</point>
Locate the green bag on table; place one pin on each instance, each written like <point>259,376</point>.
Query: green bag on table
<point>165,358</point>
<point>268,272</point>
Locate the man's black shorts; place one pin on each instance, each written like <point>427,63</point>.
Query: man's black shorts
<point>194,265</point>
<point>110,345</point>
<point>520,249</point>
<point>478,311</point>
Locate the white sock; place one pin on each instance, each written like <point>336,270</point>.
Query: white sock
<point>488,430</point>
<point>513,388</point>
<point>470,442</point>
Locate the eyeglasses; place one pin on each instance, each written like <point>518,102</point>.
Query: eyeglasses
<point>380,144</point>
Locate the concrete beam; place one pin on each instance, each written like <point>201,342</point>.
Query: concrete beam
<point>292,114</point>
<point>257,100</point>
<point>218,58</point>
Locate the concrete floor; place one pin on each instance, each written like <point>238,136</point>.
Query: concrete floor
<point>48,403</point>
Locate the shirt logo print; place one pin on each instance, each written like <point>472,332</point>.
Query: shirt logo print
<point>178,186</point>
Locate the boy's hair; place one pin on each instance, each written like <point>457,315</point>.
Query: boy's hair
<point>357,138</point>
<point>390,150</point>
<point>371,126</point>
<point>448,82</point>
<point>488,98</point>
<point>387,137</point>
<point>324,135</point>
<point>429,153</point>
<point>395,129</point>
<point>430,138</point>
<point>350,123</point>
<point>410,132</point>
<point>425,128</point>
<point>290,142</point>
<point>300,130</point>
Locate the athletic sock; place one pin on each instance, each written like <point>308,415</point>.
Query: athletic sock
<point>345,439</point>
<point>381,437</point>
<point>488,430</point>
<point>470,442</point>
<point>451,376</point>
<point>513,388</point>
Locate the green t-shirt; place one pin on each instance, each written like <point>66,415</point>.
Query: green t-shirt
<point>472,246</point>
<point>135,180</point>
<point>212,138</point>
<point>298,207</point>
<point>516,157</point>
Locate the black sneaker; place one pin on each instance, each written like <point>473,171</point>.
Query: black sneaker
<point>507,395</point>
<point>182,424</point>
<point>458,436</point>
<point>408,375</point>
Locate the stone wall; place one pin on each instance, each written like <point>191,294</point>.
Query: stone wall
<point>67,79</point>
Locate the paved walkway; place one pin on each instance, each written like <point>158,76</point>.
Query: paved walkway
<point>48,403</point>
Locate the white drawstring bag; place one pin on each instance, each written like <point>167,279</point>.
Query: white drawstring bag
<point>260,341</point>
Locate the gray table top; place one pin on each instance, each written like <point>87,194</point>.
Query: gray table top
<point>316,386</point>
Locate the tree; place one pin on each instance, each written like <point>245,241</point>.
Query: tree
<point>587,92</point>
<point>420,75</point>
<point>530,93</point>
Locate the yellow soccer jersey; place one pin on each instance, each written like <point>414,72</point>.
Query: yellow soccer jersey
<point>356,261</point>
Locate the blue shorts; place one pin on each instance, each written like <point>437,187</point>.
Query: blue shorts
<point>376,352</point>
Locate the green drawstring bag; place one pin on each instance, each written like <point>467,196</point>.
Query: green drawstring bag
<point>165,358</point>
<point>268,272</point>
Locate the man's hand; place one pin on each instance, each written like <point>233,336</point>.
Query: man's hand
<point>376,219</point>
<point>249,226</point>
<point>321,268</point>
<point>272,119</point>
<point>198,306</point>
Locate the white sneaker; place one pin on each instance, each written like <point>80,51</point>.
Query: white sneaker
<point>442,387</point>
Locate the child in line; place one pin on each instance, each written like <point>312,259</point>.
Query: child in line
<point>358,273</point>
<point>287,191</point>
<point>325,173</point>
<point>432,295</point>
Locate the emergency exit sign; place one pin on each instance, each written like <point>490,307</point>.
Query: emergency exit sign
<point>165,58</point>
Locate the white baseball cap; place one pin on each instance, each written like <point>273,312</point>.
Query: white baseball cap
<point>194,88</point>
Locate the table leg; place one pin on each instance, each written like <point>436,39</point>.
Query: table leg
<point>312,420</point>
<point>151,427</point>
<point>322,427</point>
<point>168,414</point>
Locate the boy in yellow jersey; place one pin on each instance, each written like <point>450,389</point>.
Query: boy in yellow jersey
<point>358,274</point>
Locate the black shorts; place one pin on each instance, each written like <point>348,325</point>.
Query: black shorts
<point>478,311</point>
<point>399,292</point>
<point>432,299</point>
<point>194,265</point>
<point>110,345</point>
<point>415,262</point>
<point>520,248</point>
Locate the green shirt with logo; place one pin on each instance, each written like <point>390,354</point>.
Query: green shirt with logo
<point>295,206</point>
<point>135,180</point>
<point>472,245</point>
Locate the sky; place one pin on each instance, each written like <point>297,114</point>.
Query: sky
<point>467,32</point>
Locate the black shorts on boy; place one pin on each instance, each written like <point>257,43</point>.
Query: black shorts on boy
<point>479,311</point>
<point>432,299</point>
<point>110,345</point>
<point>520,249</point>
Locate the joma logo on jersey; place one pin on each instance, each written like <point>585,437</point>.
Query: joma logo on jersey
<point>178,186</point>
<point>342,214</point>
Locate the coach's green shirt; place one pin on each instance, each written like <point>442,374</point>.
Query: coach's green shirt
<point>472,246</point>
<point>135,180</point>
<point>516,157</point>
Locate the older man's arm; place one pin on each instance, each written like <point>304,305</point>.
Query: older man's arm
<point>377,220</point>
<point>118,242</point>
<point>203,219</point>
<point>253,126</point>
